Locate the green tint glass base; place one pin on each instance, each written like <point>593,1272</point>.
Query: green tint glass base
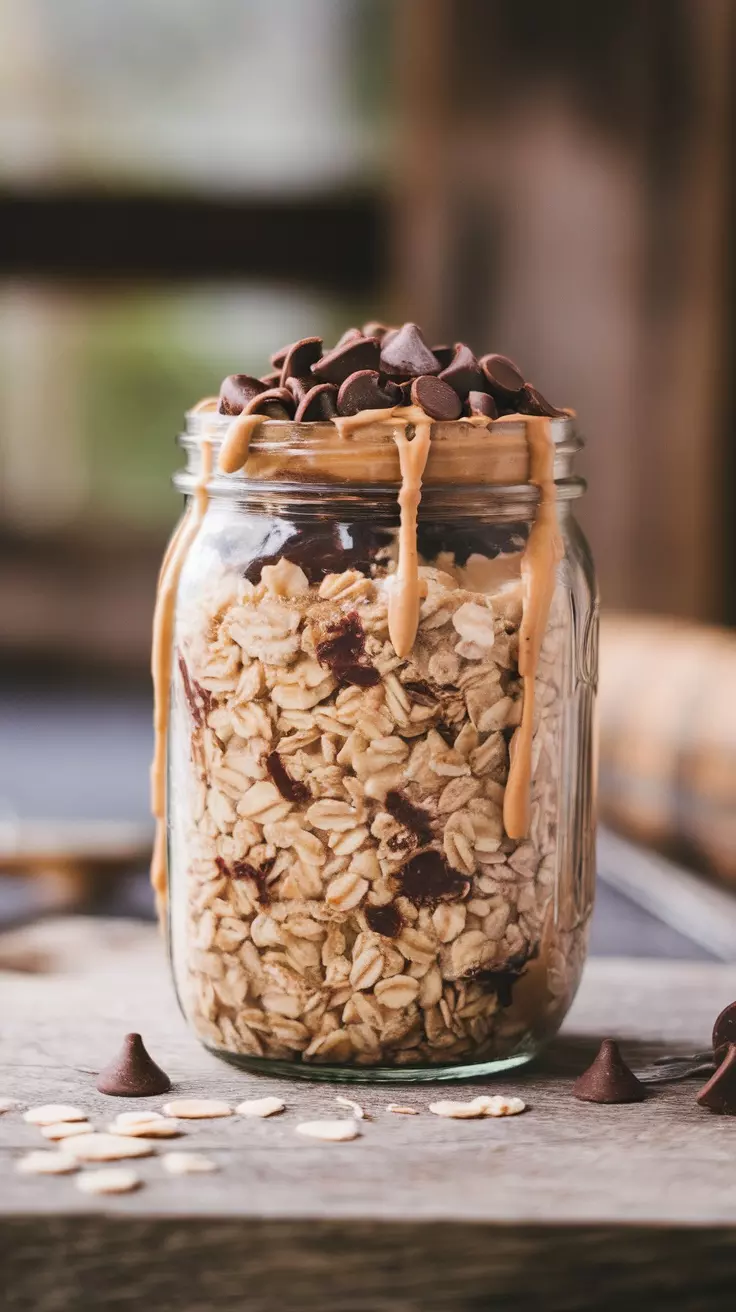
<point>373,1074</point>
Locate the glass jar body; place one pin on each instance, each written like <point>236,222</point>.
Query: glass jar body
<point>343,896</point>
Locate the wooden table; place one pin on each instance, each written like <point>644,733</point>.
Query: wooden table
<point>569,1206</point>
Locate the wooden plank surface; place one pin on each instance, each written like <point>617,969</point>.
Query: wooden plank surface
<point>419,1212</point>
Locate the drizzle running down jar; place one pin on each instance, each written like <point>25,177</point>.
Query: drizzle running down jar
<point>379,777</point>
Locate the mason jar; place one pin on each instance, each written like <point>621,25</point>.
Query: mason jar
<point>344,895</point>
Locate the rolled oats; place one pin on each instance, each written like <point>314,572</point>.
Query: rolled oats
<point>279,951</point>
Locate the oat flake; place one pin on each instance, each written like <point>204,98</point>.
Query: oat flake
<point>66,1129</point>
<point>120,1180</point>
<point>482,1106</point>
<point>106,1148</point>
<point>137,1118</point>
<point>398,1110</point>
<point>146,1130</point>
<point>188,1163</point>
<point>46,1163</point>
<point>260,1107</point>
<point>52,1113</point>
<point>329,1131</point>
<point>359,1112</point>
<point>194,1109</point>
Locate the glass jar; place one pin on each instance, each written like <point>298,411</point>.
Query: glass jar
<point>344,897</point>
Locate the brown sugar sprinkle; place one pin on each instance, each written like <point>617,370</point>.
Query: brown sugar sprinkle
<point>427,879</point>
<point>409,815</point>
<point>291,790</point>
<point>198,698</point>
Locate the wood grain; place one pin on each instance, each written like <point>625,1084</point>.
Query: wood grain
<point>418,1213</point>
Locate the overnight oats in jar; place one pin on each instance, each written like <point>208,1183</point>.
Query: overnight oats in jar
<point>375,656</point>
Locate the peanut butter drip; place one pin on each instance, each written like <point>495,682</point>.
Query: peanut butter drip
<point>403,605</point>
<point>544,550</point>
<point>161,661</point>
<point>234,449</point>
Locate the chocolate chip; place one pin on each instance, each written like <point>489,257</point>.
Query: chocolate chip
<point>406,352</point>
<point>719,1094</point>
<point>236,391</point>
<point>319,403</point>
<point>350,335</point>
<point>426,879</point>
<point>481,403</point>
<point>363,391</point>
<point>531,402</point>
<point>413,818</point>
<point>299,387</point>
<point>404,390</point>
<point>375,329</point>
<point>271,380</point>
<point>385,920</point>
<point>609,1079</point>
<point>337,365</point>
<point>277,403</point>
<point>444,354</point>
<point>360,676</point>
<point>292,790</point>
<point>504,378</point>
<point>278,357</point>
<point>436,398</point>
<point>724,1030</point>
<point>300,357</point>
<point>133,1073</point>
<point>463,373</point>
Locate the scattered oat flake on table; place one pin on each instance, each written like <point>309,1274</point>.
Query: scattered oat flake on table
<point>188,1163</point>
<point>43,1162</point>
<point>137,1118</point>
<point>52,1113</point>
<point>398,1110</point>
<point>478,1107</point>
<point>194,1109</point>
<point>329,1131</point>
<point>498,1105</point>
<point>117,1180</point>
<point>260,1107</point>
<point>8,1105</point>
<point>107,1148</point>
<point>359,1112</point>
<point>162,1129</point>
<point>66,1129</point>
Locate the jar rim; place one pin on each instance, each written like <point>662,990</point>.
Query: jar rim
<point>463,453</point>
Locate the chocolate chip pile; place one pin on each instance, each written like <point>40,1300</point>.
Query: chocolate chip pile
<point>378,368</point>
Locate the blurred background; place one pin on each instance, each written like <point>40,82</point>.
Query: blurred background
<point>185,187</point>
